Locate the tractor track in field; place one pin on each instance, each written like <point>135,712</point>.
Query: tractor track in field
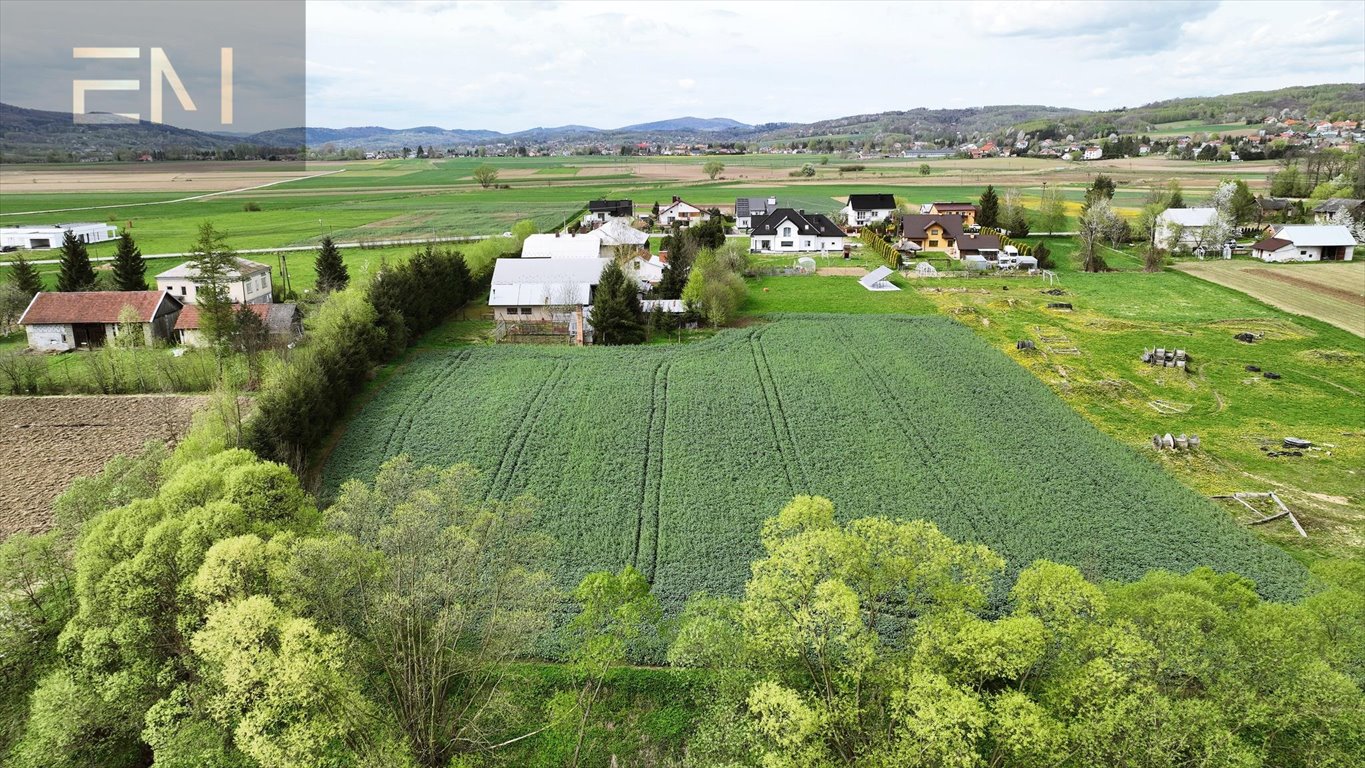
<point>418,404</point>
<point>913,437</point>
<point>782,410</point>
<point>764,382</point>
<point>651,480</point>
<point>517,445</point>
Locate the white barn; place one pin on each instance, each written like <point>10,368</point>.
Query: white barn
<point>1312,242</point>
<point>1190,220</point>
<point>561,246</point>
<point>248,284</point>
<point>537,290</point>
<point>43,238</point>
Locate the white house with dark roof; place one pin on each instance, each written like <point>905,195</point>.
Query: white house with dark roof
<point>749,209</point>
<point>1311,242</point>
<point>601,210</point>
<point>862,210</point>
<point>249,283</point>
<point>791,231</point>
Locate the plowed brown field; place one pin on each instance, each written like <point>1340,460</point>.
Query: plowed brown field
<point>46,442</point>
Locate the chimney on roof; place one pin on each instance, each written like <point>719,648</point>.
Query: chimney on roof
<point>663,257</point>
<point>772,202</point>
<point>557,234</point>
<point>677,199</point>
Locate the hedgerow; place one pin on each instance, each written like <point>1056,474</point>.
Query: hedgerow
<point>670,458</point>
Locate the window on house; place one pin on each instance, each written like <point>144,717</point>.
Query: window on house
<point>786,243</point>
<point>511,310</point>
<point>526,310</point>
<point>805,244</point>
<point>933,243</point>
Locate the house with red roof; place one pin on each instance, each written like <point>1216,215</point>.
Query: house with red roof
<point>86,319</point>
<point>283,322</point>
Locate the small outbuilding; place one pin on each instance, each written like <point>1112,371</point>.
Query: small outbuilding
<point>1309,242</point>
<point>47,237</point>
<point>284,323</point>
<point>57,322</point>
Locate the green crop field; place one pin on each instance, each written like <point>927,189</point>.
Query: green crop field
<point>670,457</point>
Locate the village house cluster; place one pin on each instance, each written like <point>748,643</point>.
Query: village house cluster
<point>58,321</point>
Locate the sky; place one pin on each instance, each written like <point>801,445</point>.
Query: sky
<point>518,65</point>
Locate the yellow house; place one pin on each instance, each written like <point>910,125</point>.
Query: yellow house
<point>965,211</point>
<point>931,232</point>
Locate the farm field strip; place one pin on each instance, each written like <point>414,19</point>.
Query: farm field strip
<point>671,457</point>
<point>1333,293</point>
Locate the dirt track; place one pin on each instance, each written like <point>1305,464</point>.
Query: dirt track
<point>46,442</point>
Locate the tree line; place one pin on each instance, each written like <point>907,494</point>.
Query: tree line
<point>197,607</point>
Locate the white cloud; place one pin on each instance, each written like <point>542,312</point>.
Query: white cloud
<point>519,65</point>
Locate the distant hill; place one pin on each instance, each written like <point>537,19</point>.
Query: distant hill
<point>28,135</point>
<point>703,124</point>
<point>35,135</point>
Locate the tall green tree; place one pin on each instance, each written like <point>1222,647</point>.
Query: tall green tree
<point>332,274</point>
<point>214,263</point>
<point>75,272</point>
<point>1102,188</point>
<point>617,317</point>
<point>989,216</point>
<point>713,168</point>
<point>24,276</point>
<point>1242,203</point>
<point>130,271</point>
<point>486,175</point>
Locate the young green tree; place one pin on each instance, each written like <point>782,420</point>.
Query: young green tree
<point>713,289</point>
<point>130,271</point>
<point>443,591</point>
<point>1098,224</point>
<point>250,338</point>
<point>331,270</point>
<point>24,276</point>
<point>989,215</point>
<point>486,175</point>
<point>75,272</point>
<point>924,169</point>
<point>616,314</point>
<point>1175,197</point>
<point>869,643</point>
<point>214,263</point>
<point>1052,209</point>
<point>617,610</point>
<point>713,168</point>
